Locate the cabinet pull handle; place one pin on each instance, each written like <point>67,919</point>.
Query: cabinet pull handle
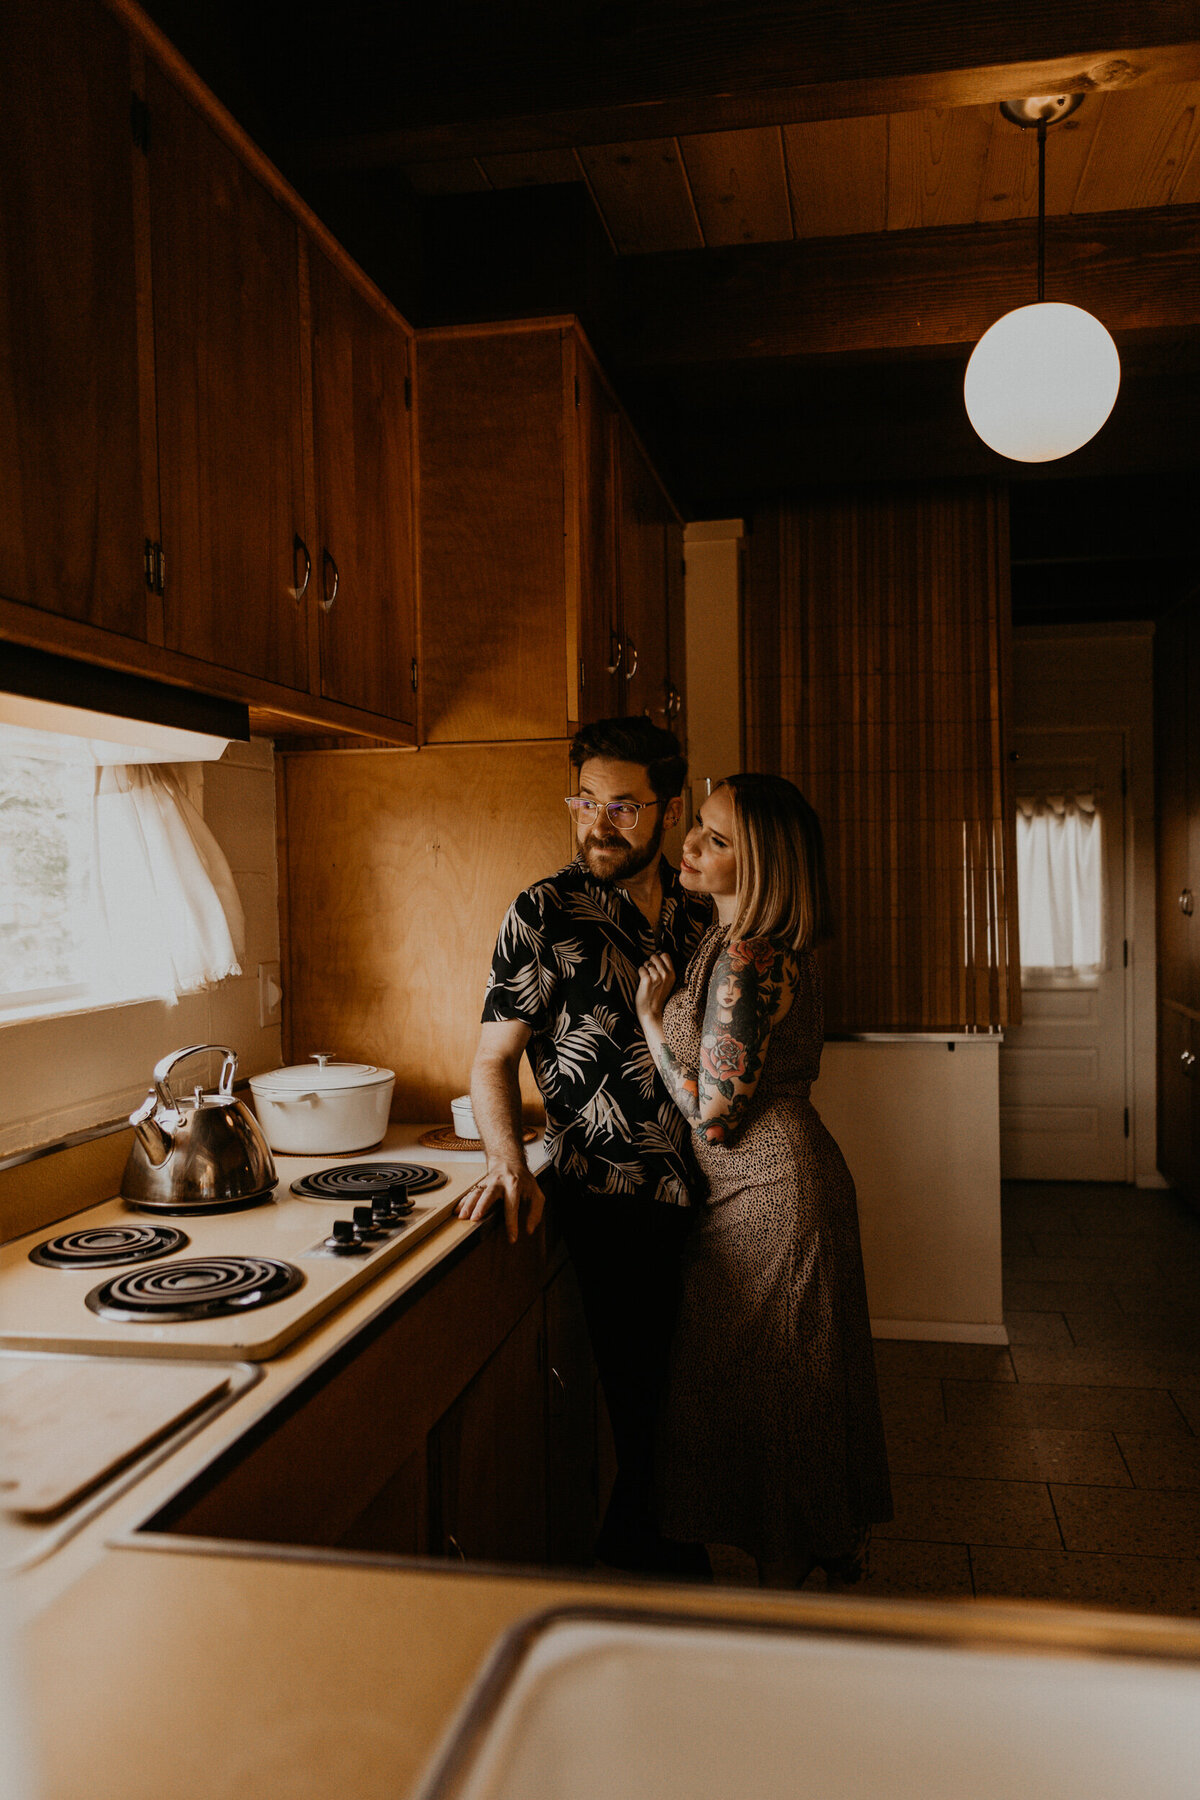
<point>1186,903</point>
<point>300,548</point>
<point>617,648</point>
<point>456,1547</point>
<point>631,665</point>
<point>328,594</point>
<point>676,702</point>
<point>1187,1058</point>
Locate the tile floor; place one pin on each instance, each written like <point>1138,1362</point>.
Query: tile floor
<point>1066,1467</point>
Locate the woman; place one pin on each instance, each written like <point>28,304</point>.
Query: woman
<point>772,1439</point>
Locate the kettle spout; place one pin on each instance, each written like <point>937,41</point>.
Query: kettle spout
<point>154,1139</point>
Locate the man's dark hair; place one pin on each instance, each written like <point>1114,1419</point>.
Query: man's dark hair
<point>636,740</point>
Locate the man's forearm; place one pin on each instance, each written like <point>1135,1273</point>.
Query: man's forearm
<point>496,1103</point>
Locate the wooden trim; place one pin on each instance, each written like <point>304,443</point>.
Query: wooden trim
<point>885,67</point>
<point>314,525</point>
<point>146,33</point>
<point>412,374</point>
<point>571,508</point>
<point>272,708</point>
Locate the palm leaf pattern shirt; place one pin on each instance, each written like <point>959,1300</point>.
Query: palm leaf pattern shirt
<point>566,964</point>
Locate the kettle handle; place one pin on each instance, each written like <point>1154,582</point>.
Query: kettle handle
<point>163,1069</point>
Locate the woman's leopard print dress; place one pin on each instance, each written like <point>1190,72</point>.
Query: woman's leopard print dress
<point>772,1438</point>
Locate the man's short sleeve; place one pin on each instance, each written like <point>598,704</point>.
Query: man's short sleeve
<point>524,976</point>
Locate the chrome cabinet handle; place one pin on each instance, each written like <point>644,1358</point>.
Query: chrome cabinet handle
<point>328,594</point>
<point>300,548</point>
<point>675,702</point>
<point>618,649</point>
<point>1187,1058</point>
<point>1186,902</point>
<point>632,663</point>
<point>456,1547</point>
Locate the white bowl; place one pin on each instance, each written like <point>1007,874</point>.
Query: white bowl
<point>464,1118</point>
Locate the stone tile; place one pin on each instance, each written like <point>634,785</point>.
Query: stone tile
<point>1038,1328</point>
<point>1063,1407</point>
<point>970,1362</point>
<point>1159,1459</point>
<point>900,1568</point>
<point>1187,1399</point>
<point>1146,1583</point>
<point>1092,1244</point>
<point>1029,1215</point>
<point>1137,1264</point>
<point>1128,1520</point>
<point>911,1400</point>
<point>1141,1334</point>
<point>1061,1296</point>
<point>1010,1453</point>
<point>952,1510</point>
<point>1120,1366</point>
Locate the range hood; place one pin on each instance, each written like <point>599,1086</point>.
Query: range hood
<point>104,716</point>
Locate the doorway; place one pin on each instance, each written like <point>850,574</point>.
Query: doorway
<point>1064,1071</point>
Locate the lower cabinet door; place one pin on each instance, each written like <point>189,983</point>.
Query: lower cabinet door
<point>572,1458</point>
<point>487,1458</point>
<point>1178,1112</point>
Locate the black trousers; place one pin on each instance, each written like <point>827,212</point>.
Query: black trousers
<point>627,1255</point>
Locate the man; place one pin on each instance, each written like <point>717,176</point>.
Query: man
<point>561,990</point>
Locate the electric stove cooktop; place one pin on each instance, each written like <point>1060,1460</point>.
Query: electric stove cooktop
<point>224,1285</point>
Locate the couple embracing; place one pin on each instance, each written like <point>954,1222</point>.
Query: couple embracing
<point>673,1023</point>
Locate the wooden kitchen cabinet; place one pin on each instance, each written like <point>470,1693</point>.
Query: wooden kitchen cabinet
<point>487,1458</point>
<point>363,576</point>
<point>71,455</point>
<point>572,1426</point>
<point>225,272</point>
<point>543,539</point>
<point>1177,813</point>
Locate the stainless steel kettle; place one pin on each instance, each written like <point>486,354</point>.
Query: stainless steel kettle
<point>203,1154</point>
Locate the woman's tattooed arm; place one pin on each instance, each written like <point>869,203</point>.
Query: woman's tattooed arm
<point>681,1083</point>
<point>751,988</point>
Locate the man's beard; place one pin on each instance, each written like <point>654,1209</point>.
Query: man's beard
<point>629,862</point>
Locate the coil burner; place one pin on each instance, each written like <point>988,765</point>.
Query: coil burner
<point>199,1288</point>
<point>369,1181</point>
<point>104,1246</point>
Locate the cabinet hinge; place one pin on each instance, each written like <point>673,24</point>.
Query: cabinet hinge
<point>414,674</point>
<point>1126,1121</point>
<point>155,565</point>
<point>139,121</point>
<point>408,393</point>
<point>1125,951</point>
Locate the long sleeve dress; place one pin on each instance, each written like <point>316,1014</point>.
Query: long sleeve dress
<point>772,1438</point>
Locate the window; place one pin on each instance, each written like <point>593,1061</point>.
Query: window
<point>1060,885</point>
<point>45,863</point>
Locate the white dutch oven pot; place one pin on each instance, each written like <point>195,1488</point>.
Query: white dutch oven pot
<point>324,1110</point>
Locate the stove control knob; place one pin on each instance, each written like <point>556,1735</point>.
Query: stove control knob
<point>344,1240</point>
<point>365,1222</point>
<point>383,1212</point>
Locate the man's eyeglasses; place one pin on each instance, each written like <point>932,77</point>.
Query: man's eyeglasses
<point>622,813</point>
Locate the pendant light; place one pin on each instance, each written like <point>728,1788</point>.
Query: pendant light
<point>1043,379</point>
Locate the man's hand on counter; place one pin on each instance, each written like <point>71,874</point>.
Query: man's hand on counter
<point>512,1183</point>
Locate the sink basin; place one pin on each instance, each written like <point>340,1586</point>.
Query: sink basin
<point>594,1704</point>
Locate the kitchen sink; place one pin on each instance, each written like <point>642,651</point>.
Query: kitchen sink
<point>596,1704</point>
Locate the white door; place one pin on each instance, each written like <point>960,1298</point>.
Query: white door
<point>1063,1075</point>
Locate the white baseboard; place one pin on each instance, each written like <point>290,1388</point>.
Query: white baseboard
<point>939,1331</point>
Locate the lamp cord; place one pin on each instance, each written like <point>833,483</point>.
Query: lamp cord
<point>1041,137</point>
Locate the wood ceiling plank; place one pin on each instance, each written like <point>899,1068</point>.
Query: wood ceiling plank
<point>1068,148</point>
<point>457,175</point>
<point>533,168</point>
<point>1141,145</point>
<point>936,161</point>
<point>642,192</point>
<point>837,173</point>
<point>1008,186</point>
<point>901,290</point>
<point>739,185</point>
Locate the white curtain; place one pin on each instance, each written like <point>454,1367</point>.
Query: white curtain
<point>170,920</point>
<point>1059,883</point>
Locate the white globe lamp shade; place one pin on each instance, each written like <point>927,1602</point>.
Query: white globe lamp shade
<point>1041,381</point>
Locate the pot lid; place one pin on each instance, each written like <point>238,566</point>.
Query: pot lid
<point>322,1075</point>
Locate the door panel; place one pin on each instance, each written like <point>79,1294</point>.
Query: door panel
<point>1171,756</point>
<point>601,696</point>
<point>1178,1111</point>
<point>71,526</point>
<point>1063,1078</point>
<point>227,368</point>
<point>573,1478</point>
<point>642,544</point>
<point>362,455</point>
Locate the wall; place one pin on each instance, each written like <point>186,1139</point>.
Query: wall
<point>1100,677</point>
<point>64,1074</point>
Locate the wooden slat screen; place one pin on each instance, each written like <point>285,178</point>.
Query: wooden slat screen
<point>875,668</point>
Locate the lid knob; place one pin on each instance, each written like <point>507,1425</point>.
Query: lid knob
<point>321,1057</point>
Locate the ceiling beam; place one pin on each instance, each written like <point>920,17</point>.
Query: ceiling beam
<point>898,291</point>
<point>675,70</point>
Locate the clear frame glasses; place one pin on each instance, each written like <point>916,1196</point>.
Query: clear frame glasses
<point>622,813</point>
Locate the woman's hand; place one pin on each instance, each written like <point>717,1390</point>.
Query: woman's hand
<point>656,979</point>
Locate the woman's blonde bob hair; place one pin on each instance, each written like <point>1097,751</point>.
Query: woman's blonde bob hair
<point>782,887</point>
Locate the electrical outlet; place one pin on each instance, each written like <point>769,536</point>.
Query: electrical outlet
<point>270,994</point>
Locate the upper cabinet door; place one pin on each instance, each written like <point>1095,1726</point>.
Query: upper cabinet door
<point>600,692</point>
<point>642,536</point>
<point>363,559</point>
<point>71,525</point>
<point>225,261</point>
